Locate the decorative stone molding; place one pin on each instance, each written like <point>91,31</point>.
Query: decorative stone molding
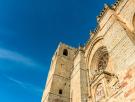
<point>99,60</point>
<point>103,85</point>
<point>106,7</point>
<point>96,30</point>
<point>116,4</point>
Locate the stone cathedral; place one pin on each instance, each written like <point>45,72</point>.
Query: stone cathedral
<point>103,70</point>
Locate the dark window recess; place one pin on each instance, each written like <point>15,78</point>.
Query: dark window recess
<point>65,52</point>
<point>60,91</point>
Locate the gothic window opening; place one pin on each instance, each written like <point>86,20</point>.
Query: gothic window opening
<point>99,94</point>
<point>102,64</point>
<point>99,60</point>
<point>60,91</point>
<point>65,52</point>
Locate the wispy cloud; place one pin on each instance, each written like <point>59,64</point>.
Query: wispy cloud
<point>19,58</point>
<point>15,56</point>
<point>27,86</point>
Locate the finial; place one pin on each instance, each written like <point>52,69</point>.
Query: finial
<point>91,35</point>
<point>105,5</point>
<point>98,18</point>
<point>80,47</point>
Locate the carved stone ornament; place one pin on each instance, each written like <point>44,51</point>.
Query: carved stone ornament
<point>104,85</point>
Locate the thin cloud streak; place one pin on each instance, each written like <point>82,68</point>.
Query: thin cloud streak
<point>27,86</point>
<point>15,56</point>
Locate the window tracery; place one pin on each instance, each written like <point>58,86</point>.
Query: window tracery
<point>99,61</point>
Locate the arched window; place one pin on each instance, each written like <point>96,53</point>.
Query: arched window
<point>99,60</point>
<point>60,91</point>
<point>99,94</point>
<point>65,52</point>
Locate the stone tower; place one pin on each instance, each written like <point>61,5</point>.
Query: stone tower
<point>58,82</point>
<point>104,69</point>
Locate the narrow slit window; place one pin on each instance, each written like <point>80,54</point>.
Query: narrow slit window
<point>60,91</point>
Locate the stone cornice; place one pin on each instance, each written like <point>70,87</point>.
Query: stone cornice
<point>116,4</point>
<point>101,16</point>
<point>102,13</point>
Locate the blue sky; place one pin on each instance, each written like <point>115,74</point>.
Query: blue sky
<point>30,31</point>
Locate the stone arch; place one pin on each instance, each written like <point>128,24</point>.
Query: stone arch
<point>98,39</point>
<point>99,61</point>
<point>91,47</point>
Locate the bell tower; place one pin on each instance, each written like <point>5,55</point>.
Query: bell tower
<point>58,82</point>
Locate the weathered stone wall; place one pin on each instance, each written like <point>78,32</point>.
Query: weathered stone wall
<point>75,89</point>
<point>104,69</point>
<point>58,82</point>
<point>79,89</point>
<point>117,35</point>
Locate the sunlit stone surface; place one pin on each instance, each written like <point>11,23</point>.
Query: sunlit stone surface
<point>104,69</point>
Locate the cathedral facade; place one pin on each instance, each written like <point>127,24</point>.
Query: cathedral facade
<point>104,69</point>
